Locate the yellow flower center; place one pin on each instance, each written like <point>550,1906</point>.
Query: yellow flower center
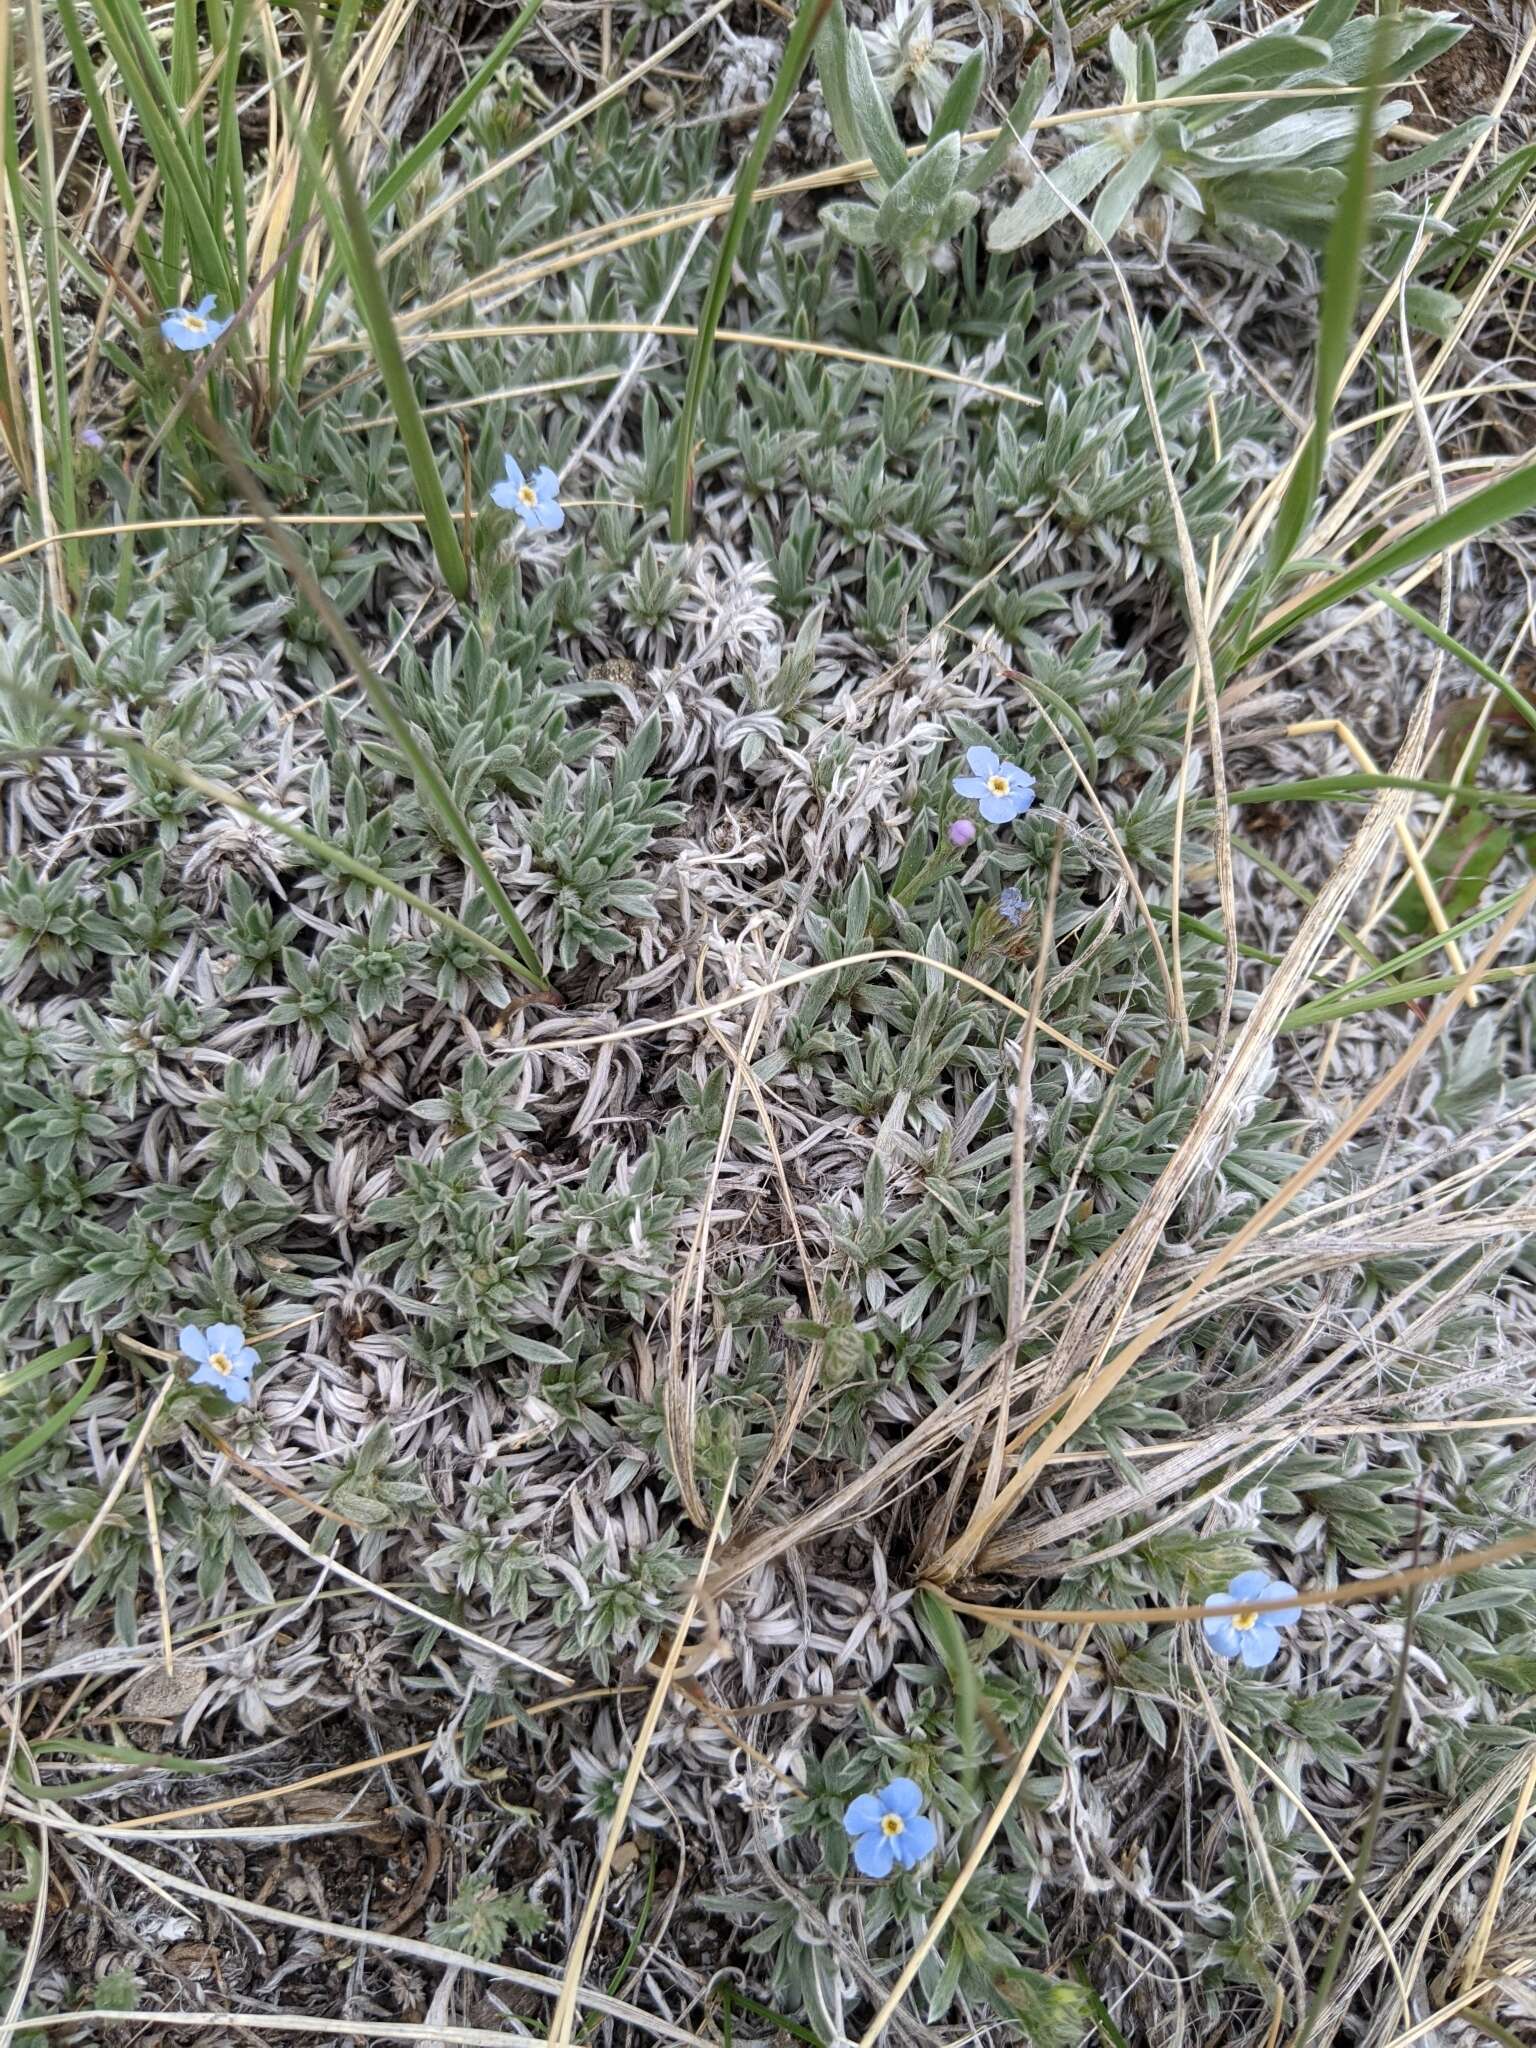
<point>194,321</point>
<point>892,1824</point>
<point>997,785</point>
<point>527,495</point>
<point>1244,1619</point>
<point>219,1360</point>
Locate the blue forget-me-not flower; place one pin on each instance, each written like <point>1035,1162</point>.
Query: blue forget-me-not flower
<point>222,1356</point>
<point>1013,905</point>
<point>1002,789</point>
<point>536,502</point>
<point>1246,1634</point>
<point>194,327</point>
<point>889,1827</point>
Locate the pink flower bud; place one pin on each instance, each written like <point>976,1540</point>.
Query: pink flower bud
<point>962,832</point>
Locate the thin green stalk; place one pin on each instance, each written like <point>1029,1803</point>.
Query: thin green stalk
<point>1492,2029</point>
<point>186,177</point>
<point>947,1632</point>
<point>318,849</point>
<point>1451,645</point>
<point>20,1376</point>
<point>430,779</point>
<point>184,55</point>
<point>15,1459</point>
<point>1329,1011</point>
<point>104,135</point>
<point>1509,497</point>
<point>733,1997</point>
<point>63,477</point>
<point>395,181</point>
<point>1368,1836</point>
<point>1101,2018</point>
<point>1322,1009</point>
<point>230,167</point>
<point>1266,864</point>
<point>796,51</point>
<point>348,220</point>
<point>1319,788</point>
<point>1343,263</point>
<point>1211,933</point>
<point>287,291</point>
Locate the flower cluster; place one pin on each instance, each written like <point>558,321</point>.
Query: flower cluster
<point>536,503</point>
<point>1249,1635</point>
<point>190,328</point>
<point>889,1827</point>
<point>222,1357</point>
<point>1001,789</point>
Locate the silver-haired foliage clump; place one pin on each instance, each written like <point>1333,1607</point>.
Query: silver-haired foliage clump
<point>539,1288</point>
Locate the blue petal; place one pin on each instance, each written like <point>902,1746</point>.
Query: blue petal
<point>193,1343</point>
<point>1259,1644</point>
<point>545,516</point>
<point>1224,1637</point>
<point>506,494</point>
<point>246,1360</point>
<point>226,1337</point>
<point>1282,1617</point>
<point>1247,1586</point>
<point>969,785</point>
<point>863,1813</point>
<point>875,1854</point>
<point>982,761</point>
<point>514,476</point>
<point>206,305</point>
<point>997,810</point>
<point>902,1796</point>
<point>546,483</point>
<point>919,1839</point>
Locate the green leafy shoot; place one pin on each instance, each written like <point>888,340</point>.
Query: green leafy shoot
<point>350,230</point>
<point>798,49</point>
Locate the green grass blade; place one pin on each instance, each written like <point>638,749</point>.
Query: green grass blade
<point>62,481</point>
<point>1293,886</point>
<point>430,780</point>
<point>1510,497</point>
<point>348,220</point>
<point>1448,641</point>
<point>311,843</point>
<point>229,178</point>
<point>1346,1002</point>
<point>12,1382</point>
<point>184,56</point>
<point>1343,263</point>
<point>1322,788</point>
<point>104,134</point>
<point>796,52</point>
<point>13,1460</point>
<point>109,1752</point>
<point>410,166</point>
<point>946,1631</point>
<point>185,174</point>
